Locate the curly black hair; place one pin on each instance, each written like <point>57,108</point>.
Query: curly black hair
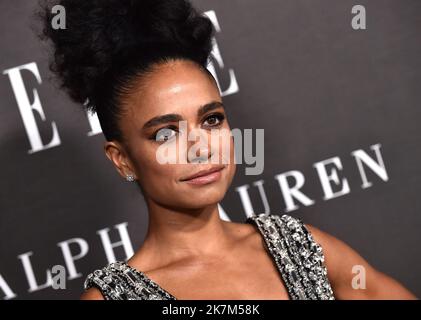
<point>107,44</point>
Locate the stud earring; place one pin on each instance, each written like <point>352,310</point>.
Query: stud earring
<point>129,177</point>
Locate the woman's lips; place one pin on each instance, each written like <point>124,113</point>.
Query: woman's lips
<point>206,179</point>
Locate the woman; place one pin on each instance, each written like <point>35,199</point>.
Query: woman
<point>141,66</point>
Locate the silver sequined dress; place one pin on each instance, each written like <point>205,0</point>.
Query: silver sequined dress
<point>298,258</point>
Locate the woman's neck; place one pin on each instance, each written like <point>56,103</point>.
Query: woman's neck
<point>175,235</point>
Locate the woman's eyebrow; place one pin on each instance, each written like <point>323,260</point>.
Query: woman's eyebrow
<point>209,107</point>
<point>174,117</point>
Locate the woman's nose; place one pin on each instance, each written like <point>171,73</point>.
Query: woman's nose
<point>203,157</point>
<point>199,150</point>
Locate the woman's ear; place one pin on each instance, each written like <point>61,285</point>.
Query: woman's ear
<point>118,157</point>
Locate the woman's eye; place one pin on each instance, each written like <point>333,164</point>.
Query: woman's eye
<point>164,134</point>
<point>214,120</point>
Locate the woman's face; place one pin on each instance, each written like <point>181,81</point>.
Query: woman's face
<point>177,90</point>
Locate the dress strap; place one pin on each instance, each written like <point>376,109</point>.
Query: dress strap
<point>119,281</point>
<point>298,257</point>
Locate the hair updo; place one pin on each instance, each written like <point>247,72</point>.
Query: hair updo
<point>107,44</point>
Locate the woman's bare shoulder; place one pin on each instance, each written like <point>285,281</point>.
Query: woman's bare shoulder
<point>92,294</point>
<point>351,275</point>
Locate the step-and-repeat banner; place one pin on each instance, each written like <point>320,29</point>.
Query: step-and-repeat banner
<point>334,84</point>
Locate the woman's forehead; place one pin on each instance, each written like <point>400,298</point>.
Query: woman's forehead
<point>174,92</point>
<point>177,78</point>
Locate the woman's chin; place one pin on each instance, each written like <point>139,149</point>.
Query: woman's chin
<point>193,201</point>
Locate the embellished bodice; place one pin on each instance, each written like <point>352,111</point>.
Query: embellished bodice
<point>298,258</point>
